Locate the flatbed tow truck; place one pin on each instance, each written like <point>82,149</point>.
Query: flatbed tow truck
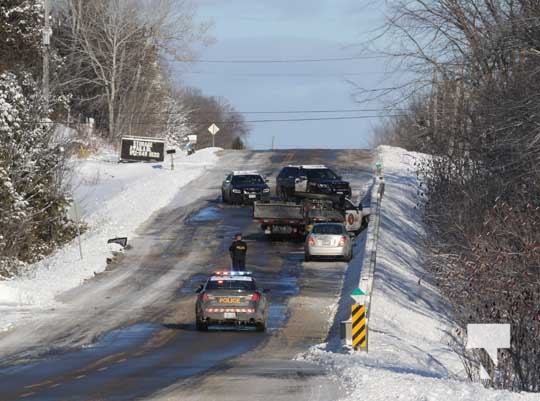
<point>297,218</point>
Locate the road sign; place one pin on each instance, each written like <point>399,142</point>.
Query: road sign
<point>378,169</point>
<point>359,296</point>
<point>213,129</point>
<point>359,327</point>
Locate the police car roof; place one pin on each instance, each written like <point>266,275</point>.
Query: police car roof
<point>308,166</point>
<point>246,172</point>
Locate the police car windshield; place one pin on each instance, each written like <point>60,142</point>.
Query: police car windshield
<point>320,174</point>
<point>247,179</point>
<point>231,285</point>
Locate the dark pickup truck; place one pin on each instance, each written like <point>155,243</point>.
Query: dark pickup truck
<point>296,181</point>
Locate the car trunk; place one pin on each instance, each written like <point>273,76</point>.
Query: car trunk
<point>327,240</point>
<point>227,299</point>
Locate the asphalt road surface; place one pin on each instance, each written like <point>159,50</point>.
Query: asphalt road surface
<point>129,333</point>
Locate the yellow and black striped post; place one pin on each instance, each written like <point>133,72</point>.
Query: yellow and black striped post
<point>359,329</point>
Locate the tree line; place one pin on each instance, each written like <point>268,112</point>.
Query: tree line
<point>474,105</point>
<point>116,57</point>
<point>109,62</point>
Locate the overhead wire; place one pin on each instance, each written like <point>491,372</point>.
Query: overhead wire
<point>285,74</point>
<point>310,111</point>
<point>379,113</point>
<point>279,61</point>
<point>266,120</point>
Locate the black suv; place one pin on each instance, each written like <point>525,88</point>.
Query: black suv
<point>293,180</point>
<point>244,187</point>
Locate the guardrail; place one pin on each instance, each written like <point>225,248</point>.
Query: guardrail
<point>370,254</point>
<point>355,331</point>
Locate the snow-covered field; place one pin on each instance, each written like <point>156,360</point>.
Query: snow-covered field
<point>113,200</point>
<point>410,354</point>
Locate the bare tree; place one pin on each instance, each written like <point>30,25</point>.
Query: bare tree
<point>114,50</point>
<point>205,110</point>
<point>476,112</point>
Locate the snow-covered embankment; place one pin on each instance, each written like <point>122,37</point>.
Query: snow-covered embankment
<point>113,199</point>
<point>410,353</point>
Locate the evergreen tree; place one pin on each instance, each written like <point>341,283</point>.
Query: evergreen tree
<point>238,144</point>
<point>32,204</point>
<point>21,23</point>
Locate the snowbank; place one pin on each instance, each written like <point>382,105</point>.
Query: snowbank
<point>113,200</point>
<point>410,353</point>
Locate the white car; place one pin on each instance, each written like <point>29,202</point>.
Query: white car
<point>328,240</point>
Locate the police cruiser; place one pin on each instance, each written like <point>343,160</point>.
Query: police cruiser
<point>231,298</point>
<point>240,187</point>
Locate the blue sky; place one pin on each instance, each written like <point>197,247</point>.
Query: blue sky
<point>293,29</point>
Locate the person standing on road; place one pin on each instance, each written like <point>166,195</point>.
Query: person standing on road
<point>238,251</point>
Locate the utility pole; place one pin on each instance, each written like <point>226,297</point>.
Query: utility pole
<point>273,137</point>
<point>46,42</point>
<point>435,103</point>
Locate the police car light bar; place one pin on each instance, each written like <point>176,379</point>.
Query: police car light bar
<point>246,172</point>
<point>308,166</point>
<point>231,273</point>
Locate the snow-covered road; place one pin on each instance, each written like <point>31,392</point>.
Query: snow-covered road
<point>137,316</point>
<point>410,348</point>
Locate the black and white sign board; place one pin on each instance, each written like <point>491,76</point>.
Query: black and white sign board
<point>142,149</point>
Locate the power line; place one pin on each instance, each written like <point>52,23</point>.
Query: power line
<point>312,111</point>
<point>322,111</point>
<point>381,113</point>
<point>287,75</point>
<point>271,120</point>
<point>266,120</point>
<point>272,61</point>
